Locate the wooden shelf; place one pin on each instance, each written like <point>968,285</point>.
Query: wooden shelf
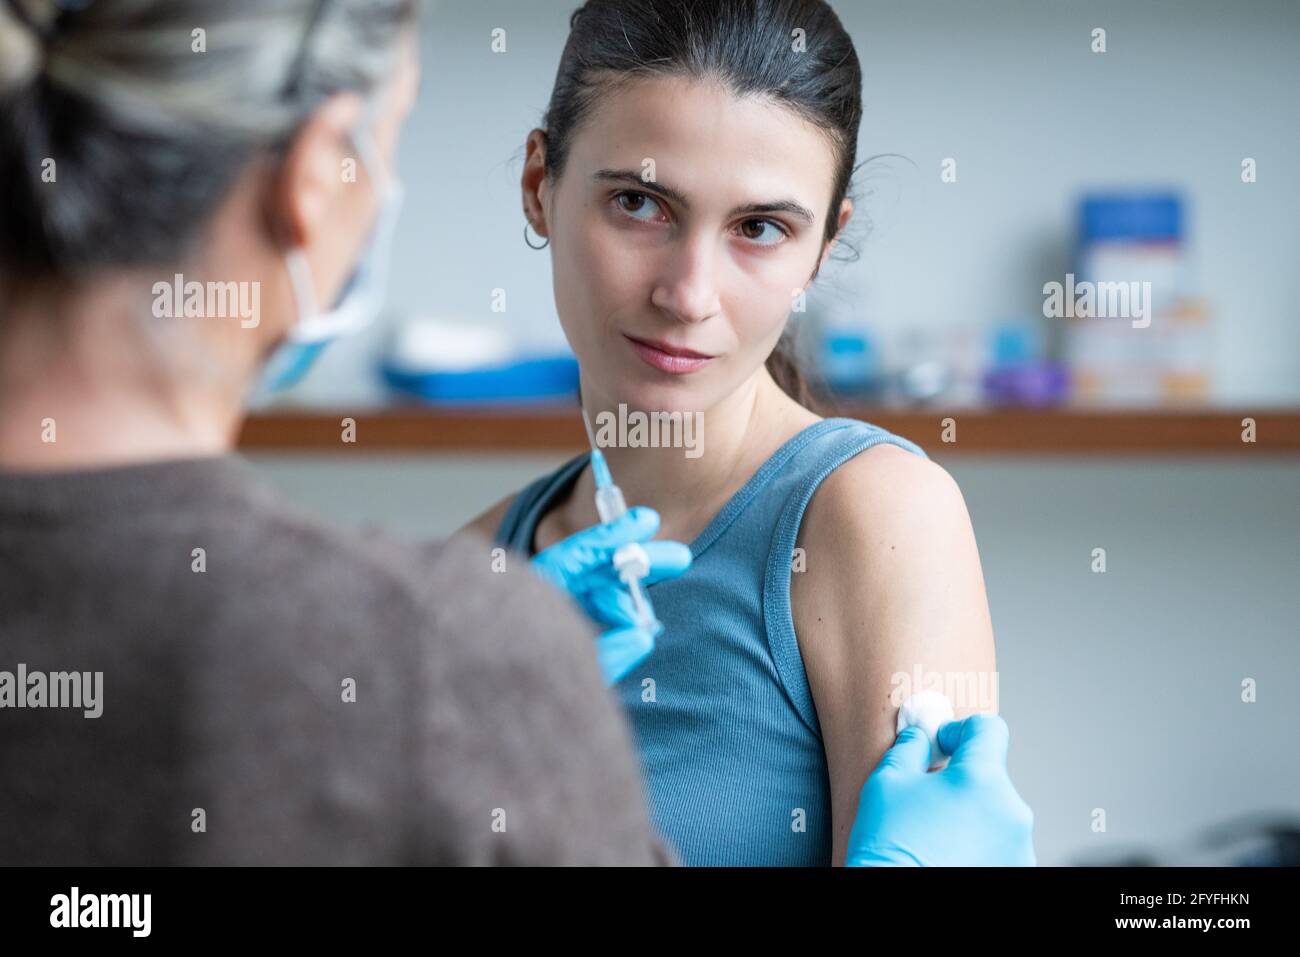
<point>979,431</point>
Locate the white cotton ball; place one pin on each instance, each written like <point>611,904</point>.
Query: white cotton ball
<point>929,710</point>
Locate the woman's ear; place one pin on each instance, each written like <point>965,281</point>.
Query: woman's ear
<point>311,182</point>
<point>846,213</point>
<point>533,182</point>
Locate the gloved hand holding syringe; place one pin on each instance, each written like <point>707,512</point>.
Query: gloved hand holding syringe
<point>630,561</point>
<point>606,568</point>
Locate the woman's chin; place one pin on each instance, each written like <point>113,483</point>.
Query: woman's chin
<point>660,396</point>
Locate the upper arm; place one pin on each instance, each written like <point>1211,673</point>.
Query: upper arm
<point>892,595</point>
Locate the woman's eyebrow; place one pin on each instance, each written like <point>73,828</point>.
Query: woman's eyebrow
<point>632,178</point>
<point>779,206</point>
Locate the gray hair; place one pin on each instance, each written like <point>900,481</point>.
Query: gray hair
<point>146,111</point>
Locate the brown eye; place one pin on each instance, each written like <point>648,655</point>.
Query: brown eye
<point>763,232</point>
<point>638,205</point>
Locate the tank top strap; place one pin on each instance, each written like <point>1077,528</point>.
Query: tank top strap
<point>520,522</point>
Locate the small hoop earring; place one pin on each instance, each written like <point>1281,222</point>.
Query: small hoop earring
<point>544,244</point>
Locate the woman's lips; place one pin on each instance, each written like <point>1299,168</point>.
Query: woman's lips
<point>671,359</point>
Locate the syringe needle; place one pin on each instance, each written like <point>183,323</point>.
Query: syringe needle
<point>630,560</point>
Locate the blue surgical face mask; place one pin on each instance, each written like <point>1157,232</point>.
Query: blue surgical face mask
<point>361,298</point>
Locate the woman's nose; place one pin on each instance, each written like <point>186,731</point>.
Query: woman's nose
<point>688,286</point>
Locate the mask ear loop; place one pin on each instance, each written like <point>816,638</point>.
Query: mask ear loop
<point>363,138</point>
<point>368,151</point>
<point>388,194</point>
<point>302,284</point>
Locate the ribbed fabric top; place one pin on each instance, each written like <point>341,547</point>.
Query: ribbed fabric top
<point>722,711</point>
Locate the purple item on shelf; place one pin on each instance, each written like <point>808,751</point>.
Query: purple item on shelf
<point>1039,383</point>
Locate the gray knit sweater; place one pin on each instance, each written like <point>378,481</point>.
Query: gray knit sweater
<point>289,694</point>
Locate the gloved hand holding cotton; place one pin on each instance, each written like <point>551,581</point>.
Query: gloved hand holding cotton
<point>929,710</point>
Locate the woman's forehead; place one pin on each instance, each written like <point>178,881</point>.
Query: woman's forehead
<point>707,142</point>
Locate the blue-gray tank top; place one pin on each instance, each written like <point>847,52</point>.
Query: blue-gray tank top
<point>721,710</point>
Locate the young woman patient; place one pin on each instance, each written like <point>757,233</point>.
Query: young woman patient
<point>691,179</point>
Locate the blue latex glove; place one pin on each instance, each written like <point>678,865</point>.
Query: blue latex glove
<point>966,814</point>
<point>582,565</point>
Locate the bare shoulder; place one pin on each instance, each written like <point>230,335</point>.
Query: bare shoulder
<point>882,492</point>
<point>890,556</point>
<point>486,524</point>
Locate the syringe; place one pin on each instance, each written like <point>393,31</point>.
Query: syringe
<point>630,560</point>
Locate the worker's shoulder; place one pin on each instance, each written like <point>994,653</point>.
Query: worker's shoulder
<point>293,571</point>
<point>466,588</point>
<point>298,570</point>
<point>280,534</point>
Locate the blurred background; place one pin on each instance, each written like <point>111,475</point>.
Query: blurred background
<point>1003,152</point>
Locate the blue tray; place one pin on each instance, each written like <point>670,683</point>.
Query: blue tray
<point>526,380</point>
